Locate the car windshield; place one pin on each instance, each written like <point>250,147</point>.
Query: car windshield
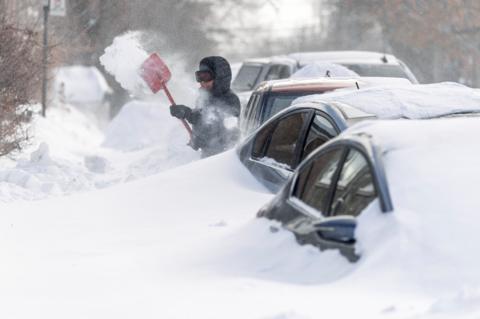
<point>246,78</point>
<point>277,102</point>
<point>381,70</point>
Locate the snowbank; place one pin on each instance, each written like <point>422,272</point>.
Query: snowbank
<point>409,101</point>
<point>429,242</point>
<point>148,127</point>
<point>66,156</point>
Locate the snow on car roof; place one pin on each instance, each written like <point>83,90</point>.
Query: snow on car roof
<point>406,101</point>
<point>356,57</point>
<point>322,68</point>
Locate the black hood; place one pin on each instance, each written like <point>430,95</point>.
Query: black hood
<point>221,73</point>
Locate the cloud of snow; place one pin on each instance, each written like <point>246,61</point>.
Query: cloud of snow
<point>123,59</point>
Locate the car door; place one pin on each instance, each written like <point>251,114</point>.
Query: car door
<point>328,195</point>
<point>277,146</point>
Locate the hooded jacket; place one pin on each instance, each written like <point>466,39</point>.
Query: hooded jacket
<point>215,117</point>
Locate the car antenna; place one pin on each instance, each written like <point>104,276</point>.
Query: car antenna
<point>384,58</point>
<point>327,74</point>
<point>358,86</point>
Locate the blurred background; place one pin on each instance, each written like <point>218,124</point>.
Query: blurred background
<point>438,39</point>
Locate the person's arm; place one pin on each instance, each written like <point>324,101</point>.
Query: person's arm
<point>183,112</point>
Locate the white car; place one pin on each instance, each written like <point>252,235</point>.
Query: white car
<point>363,63</point>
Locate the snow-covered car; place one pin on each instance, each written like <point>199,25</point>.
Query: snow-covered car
<point>278,146</point>
<point>363,63</point>
<point>414,167</point>
<point>273,96</point>
<point>85,87</point>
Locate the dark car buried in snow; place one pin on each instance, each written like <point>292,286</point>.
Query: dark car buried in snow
<point>278,146</point>
<point>322,199</point>
<point>335,197</point>
<point>273,96</point>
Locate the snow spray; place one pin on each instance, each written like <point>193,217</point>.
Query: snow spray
<point>123,59</point>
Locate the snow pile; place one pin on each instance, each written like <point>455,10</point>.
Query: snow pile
<point>66,155</point>
<point>323,69</point>
<point>148,128</point>
<point>53,164</point>
<point>430,238</point>
<point>410,101</point>
<point>123,60</point>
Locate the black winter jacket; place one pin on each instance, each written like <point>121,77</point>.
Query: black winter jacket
<point>215,117</point>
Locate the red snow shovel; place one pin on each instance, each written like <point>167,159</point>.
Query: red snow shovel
<point>156,74</point>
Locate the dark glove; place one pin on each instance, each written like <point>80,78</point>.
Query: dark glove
<point>180,111</point>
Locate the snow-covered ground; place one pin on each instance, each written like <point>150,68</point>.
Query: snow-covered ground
<point>69,153</point>
<point>182,242</point>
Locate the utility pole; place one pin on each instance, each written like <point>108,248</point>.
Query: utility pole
<point>46,12</point>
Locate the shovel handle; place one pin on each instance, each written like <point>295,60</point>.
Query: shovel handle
<point>170,98</point>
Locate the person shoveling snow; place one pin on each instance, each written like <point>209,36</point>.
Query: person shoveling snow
<point>215,116</point>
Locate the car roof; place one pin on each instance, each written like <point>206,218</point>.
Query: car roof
<point>347,57</point>
<point>410,101</point>
<point>280,59</point>
<point>348,112</point>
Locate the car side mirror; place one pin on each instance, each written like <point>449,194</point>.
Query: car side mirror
<point>338,229</point>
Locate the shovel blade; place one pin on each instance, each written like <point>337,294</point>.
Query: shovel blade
<point>155,72</point>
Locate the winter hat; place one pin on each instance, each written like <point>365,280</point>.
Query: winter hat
<point>205,66</point>
<point>220,69</point>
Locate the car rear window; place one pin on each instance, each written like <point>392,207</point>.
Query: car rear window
<point>247,77</point>
<point>381,70</point>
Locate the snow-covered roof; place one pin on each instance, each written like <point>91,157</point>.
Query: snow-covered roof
<point>405,101</point>
<point>356,57</point>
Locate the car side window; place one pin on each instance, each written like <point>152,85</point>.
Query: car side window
<point>247,77</point>
<point>274,73</point>
<point>285,138</point>
<point>284,72</point>
<point>314,183</point>
<point>320,131</point>
<point>355,188</point>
